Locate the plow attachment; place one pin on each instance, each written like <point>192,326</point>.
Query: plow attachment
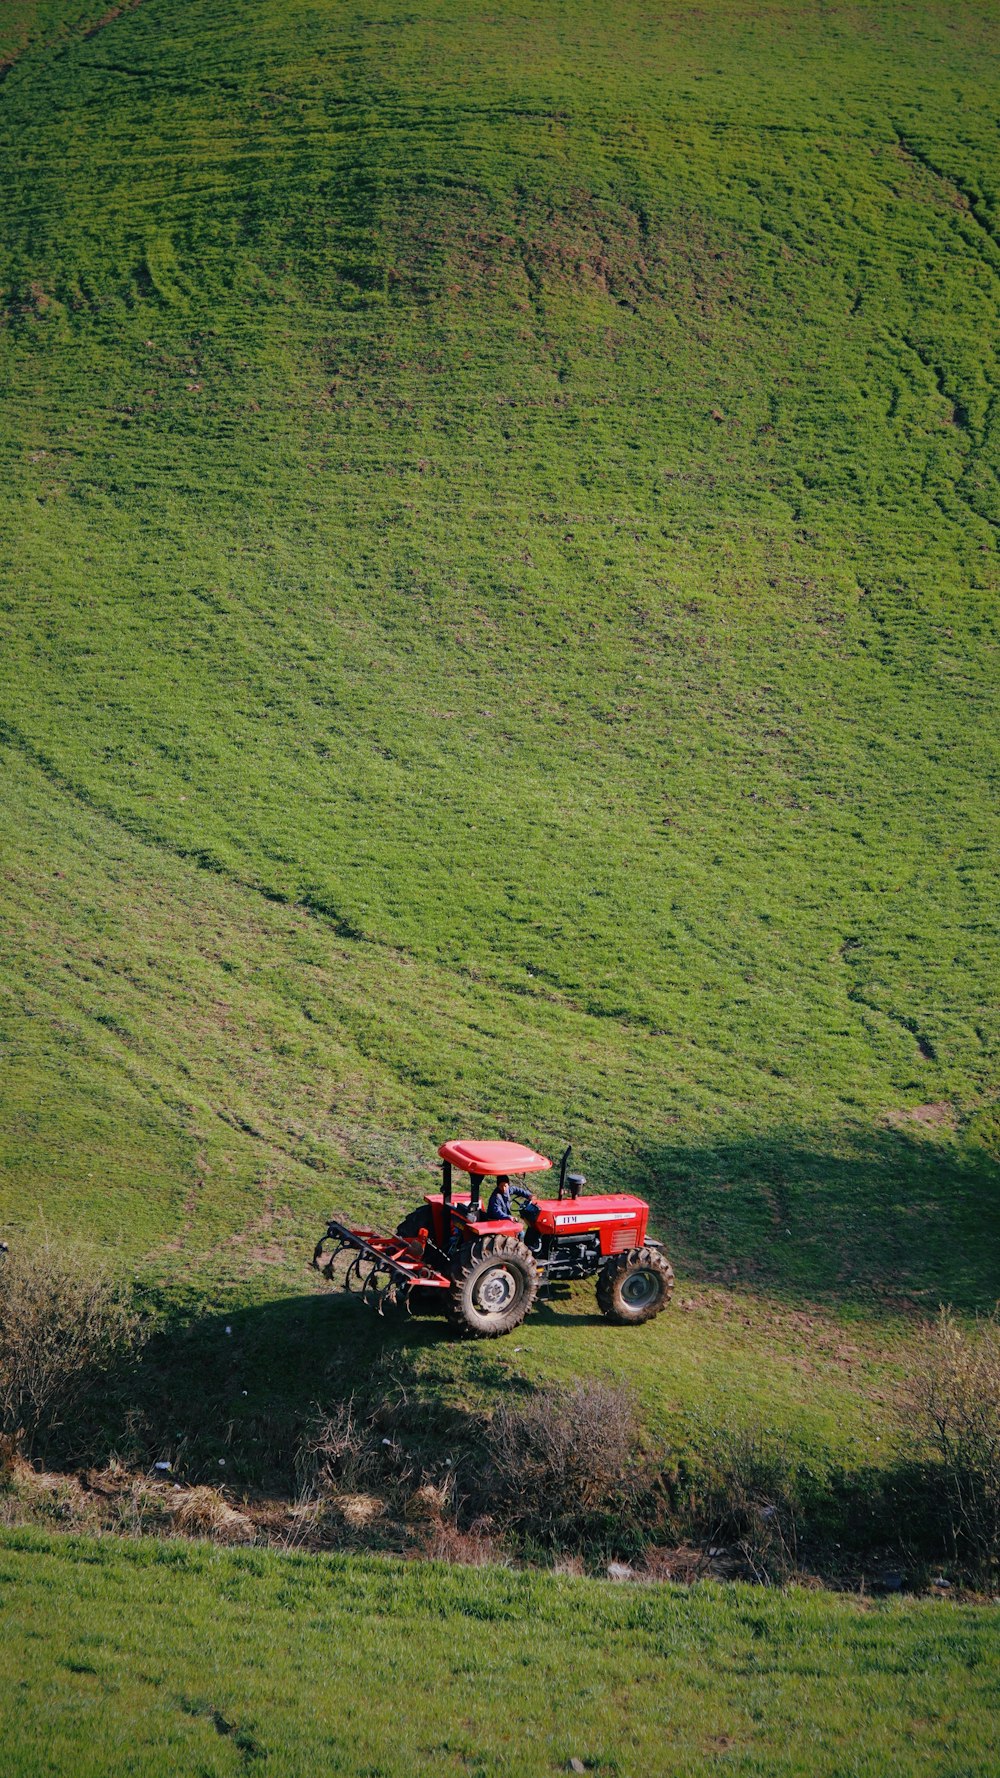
<point>383,1268</point>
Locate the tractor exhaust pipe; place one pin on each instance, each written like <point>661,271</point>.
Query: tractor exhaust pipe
<point>567,1151</point>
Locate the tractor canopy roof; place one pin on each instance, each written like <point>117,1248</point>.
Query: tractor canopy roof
<point>493,1157</point>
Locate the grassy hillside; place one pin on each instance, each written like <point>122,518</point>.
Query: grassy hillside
<point>498,525</point>
<point>165,1657</point>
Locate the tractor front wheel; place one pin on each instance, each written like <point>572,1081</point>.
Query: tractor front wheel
<point>635,1286</point>
<point>493,1285</point>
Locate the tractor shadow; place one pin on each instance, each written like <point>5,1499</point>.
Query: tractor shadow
<point>295,1350</point>
<point>557,1310</point>
<point>229,1394</point>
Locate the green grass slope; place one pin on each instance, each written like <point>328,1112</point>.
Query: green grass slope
<point>498,530</point>
<point>184,1660</point>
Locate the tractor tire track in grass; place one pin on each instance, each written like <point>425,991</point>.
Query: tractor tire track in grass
<point>964,196</point>
<point>201,859</point>
<point>959,416</point>
<point>80,30</point>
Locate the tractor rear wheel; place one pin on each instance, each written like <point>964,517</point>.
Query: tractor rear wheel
<point>493,1285</point>
<point>635,1286</point>
<point>415,1223</point>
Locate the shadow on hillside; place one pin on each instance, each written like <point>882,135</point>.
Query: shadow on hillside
<point>887,1223</point>
<point>227,1394</point>
<point>889,1219</point>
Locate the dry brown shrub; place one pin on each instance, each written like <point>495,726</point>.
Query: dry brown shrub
<point>203,1512</point>
<point>428,1502</point>
<point>345,1453</point>
<point>357,1510</point>
<point>140,1508</point>
<point>570,1565</point>
<point>749,1502</point>
<point>63,1325</point>
<point>36,1496</point>
<point>564,1463</point>
<point>444,1542</point>
<point>683,1562</point>
<point>954,1402</point>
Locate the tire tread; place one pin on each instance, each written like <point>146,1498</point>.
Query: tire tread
<point>610,1277</point>
<point>467,1263</point>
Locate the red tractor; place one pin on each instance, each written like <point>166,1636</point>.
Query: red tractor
<point>485,1271</point>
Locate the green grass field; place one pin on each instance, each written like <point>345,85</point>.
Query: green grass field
<point>152,1658</point>
<point>498,570</point>
<point>498,521</point>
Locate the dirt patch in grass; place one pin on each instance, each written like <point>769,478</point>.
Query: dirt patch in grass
<point>940,1112</point>
<point>525,250</point>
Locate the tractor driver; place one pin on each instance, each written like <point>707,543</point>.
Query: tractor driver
<point>500,1207</point>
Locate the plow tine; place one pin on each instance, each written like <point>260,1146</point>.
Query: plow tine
<point>383,1269</point>
<point>389,1295</point>
<point>393,1294</point>
<point>372,1291</point>
<point>324,1262</point>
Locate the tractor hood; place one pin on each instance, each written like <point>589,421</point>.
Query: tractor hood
<point>559,1216</point>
